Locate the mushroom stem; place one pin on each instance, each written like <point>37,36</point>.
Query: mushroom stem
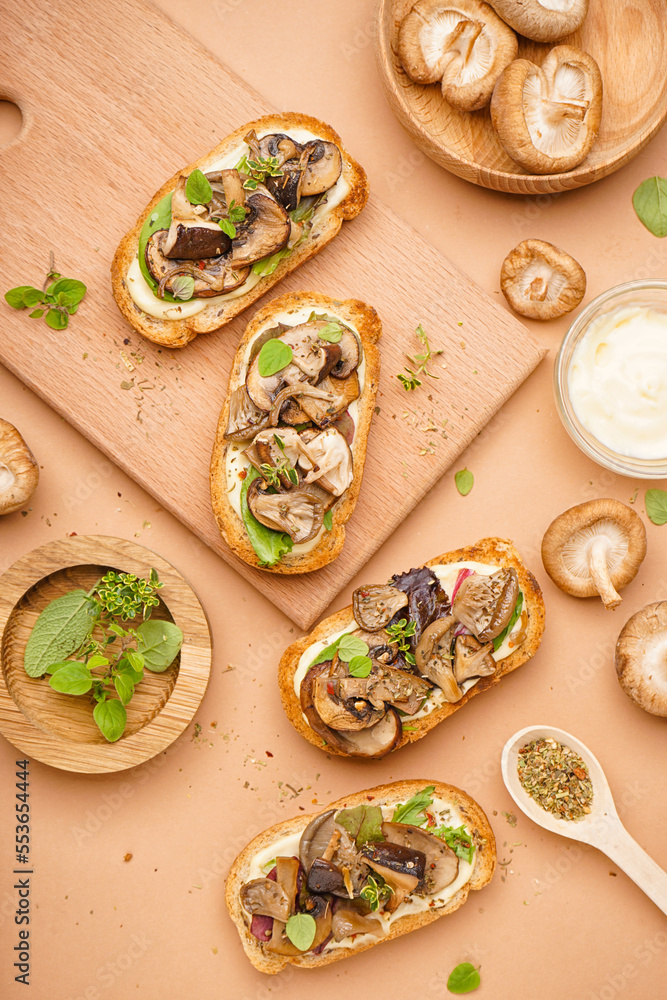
<point>537,290</point>
<point>556,112</point>
<point>600,573</point>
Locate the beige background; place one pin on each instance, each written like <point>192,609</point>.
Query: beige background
<point>558,920</point>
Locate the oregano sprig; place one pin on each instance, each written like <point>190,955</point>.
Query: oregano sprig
<point>56,301</point>
<point>420,361</point>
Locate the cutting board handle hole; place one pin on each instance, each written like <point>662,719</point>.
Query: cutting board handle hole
<point>11,122</point>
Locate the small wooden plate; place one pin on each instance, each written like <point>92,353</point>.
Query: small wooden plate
<point>629,43</point>
<point>58,729</point>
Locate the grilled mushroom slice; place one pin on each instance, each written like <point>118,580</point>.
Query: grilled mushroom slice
<point>331,456</point>
<point>541,281</point>
<point>595,548</point>
<point>376,604</point>
<point>402,868</point>
<point>311,355</point>
<point>324,410</point>
<point>325,876</point>
<point>266,230</point>
<point>641,658</point>
<point>245,419</point>
<point>484,604</point>
<point>472,659</point>
<point>298,512</point>
<point>400,688</point>
<point>353,917</point>
<point>316,838</point>
<point>542,20</point>
<point>19,472</point>
<point>547,117</point>
<point>434,656</point>
<point>323,168</point>
<point>348,715</point>
<point>441,863</point>
<point>266,897</point>
<point>350,354</point>
<point>217,277</point>
<point>195,242</point>
<point>463,43</point>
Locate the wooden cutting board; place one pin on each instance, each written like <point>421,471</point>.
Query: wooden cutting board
<point>115,98</point>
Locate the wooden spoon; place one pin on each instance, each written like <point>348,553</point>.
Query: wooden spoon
<point>601,828</point>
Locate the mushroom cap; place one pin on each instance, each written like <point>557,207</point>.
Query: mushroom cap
<point>541,281</point>
<point>540,21</point>
<point>19,472</point>
<point>547,117</point>
<point>641,658</point>
<point>461,42</point>
<point>595,548</point>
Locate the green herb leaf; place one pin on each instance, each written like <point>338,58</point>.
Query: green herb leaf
<point>499,639</point>
<point>458,839</point>
<point>111,718</point>
<point>74,678</point>
<point>198,191</point>
<point>463,979</point>
<point>270,546</point>
<point>328,652</point>
<point>236,212</point>
<point>68,290</point>
<point>273,357</point>
<point>268,265</point>
<point>52,667</point>
<point>656,506</point>
<point>351,646</point>
<point>464,480</point>
<point>37,313</point>
<point>135,660</point>
<point>97,661</point>
<point>412,811</point>
<point>228,228</point>
<point>159,644</point>
<point>300,929</point>
<point>360,666</point>
<point>32,297</point>
<point>14,297</point>
<point>363,823</point>
<point>61,628</point>
<point>183,287</point>
<point>124,687</point>
<point>331,333</point>
<point>328,520</point>
<point>376,891</point>
<point>650,204</point>
<point>56,319</point>
<point>159,218</point>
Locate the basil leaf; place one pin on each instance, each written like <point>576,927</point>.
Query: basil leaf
<point>14,297</point>
<point>183,287</point>
<point>124,687</point>
<point>198,191</point>
<point>111,719</point>
<point>328,520</point>
<point>71,290</point>
<point>464,480</point>
<point>328,652</point>
<point>32,297</point>
<point>56,320</point>
<point>350,646</point>
<point>60,629</point>
<point>300,929</point>
<point>463,979</point>
<point>411,811</point>
<point>269,264</point>
<point>360,666</point>
<point>650,204</point>
<point>656,506</point>
<point>270,546</point>
<point>332,333</point>
<point>273,357</point>
<point>499,639</point>
<point>363,823</point>
<point>73,678</point>
<point>159,644</point>
<point>159,218</point>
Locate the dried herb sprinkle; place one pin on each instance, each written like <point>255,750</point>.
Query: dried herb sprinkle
<point>556,777</point>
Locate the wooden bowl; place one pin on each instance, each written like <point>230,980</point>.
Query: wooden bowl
<point>59,729</point>
<point>629,43</point>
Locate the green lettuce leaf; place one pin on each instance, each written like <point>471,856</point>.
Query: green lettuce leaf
<point>159,218</point>
<point>270,546</point>
<point>364,823</point>
<point>412,811</point>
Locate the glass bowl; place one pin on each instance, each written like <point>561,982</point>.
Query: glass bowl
<point>634,293</point>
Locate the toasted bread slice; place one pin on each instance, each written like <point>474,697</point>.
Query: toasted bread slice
<point>494,551</point>
<point>391,794</point>
<point>179,332</point>
<point>366,322</point>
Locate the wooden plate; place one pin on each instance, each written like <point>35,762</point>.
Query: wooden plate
<point>58,729</point>
<point>629,43</point>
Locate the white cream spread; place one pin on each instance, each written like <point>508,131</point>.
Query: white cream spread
<point>235,460</point>
<point>617,381</point>
<point>447,573</point>
<point>140,291</point>
<point>444,814</point>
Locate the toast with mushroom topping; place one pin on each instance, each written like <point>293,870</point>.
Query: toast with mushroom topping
<point>374,865</point>
<point>291,441</point>
<point>408,654</point>
<point>223,230</point>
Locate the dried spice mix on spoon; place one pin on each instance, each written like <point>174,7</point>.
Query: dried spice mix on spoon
<point>556,777</point>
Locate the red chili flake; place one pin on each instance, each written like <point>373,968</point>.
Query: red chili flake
<point>330,687</point>
<point>430,817</point>
<point>268,753</point>
<point>243,473</point>
<point>580,773</point>
<point>201,265</point>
